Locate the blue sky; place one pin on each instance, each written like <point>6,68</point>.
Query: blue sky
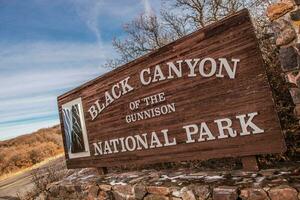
<point>49,47</point>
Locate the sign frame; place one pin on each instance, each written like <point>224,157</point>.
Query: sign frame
<point>237,36</point>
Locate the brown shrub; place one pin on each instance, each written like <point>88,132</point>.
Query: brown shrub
<point>27,150</point>
<point>42,177</point>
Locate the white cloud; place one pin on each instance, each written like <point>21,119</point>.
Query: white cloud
<point>33,75</point>
<point>8,132</point>
<point>33,114</point>
<point>147,8</point>
<point>39,54</point>
<point>40,81</point>
<point>89,11</point>
<point>92,11</point>
<point>9,103</point>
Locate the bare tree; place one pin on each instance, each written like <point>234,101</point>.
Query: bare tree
<point>147,33</point>
<point>176,19</point>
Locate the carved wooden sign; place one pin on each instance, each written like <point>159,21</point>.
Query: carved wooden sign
<point>203,96</point>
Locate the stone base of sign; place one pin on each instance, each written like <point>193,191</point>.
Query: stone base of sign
<point>180,184</point>
<point>285,18</point>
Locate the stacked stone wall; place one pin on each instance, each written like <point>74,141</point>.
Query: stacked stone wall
<point>285,18</point>
<point>182,184</point>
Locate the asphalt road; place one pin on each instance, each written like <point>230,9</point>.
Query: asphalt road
<point>10,187</point>
<point>21,183</point>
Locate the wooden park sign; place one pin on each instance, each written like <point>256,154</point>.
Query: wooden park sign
<point>203,96</point>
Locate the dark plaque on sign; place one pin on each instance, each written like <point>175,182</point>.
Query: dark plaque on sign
<point>203,96</point>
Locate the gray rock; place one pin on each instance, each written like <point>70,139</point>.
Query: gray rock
<point>123,189</point>
<point>70,188</point>
<point>279,25</point>
<point>54,190</point>
<point>297,2</point>
<point>259,181</point>
<point>119,196</point>
<point>254,194</point>
<point>78,188</point>
<point>42,196</point>
<point>74,195</point>
<point>104,195</point>
<point>295,15</point>
<point>139,191</point>
<point>225,193</point>
<point>105,187</point>
<point>187,194</point>
<point>156,197</point>
<point>268,172</point>
<point>283,192</point>
<point>93,191</point>
<point>63,193</point>
<point>202,191</point>
<point>286,37</point>
<point>158,190</point>
<point>175,191</point>
<point>288,58</point>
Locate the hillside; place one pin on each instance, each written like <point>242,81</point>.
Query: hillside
<point>24,151</point>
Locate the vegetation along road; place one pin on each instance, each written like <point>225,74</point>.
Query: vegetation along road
<point>18,184</point>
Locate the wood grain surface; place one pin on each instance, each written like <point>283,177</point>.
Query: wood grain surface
<point>197,100</point>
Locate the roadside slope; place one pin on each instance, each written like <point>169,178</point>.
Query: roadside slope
<point>25,151</point>
<point>22,182</point>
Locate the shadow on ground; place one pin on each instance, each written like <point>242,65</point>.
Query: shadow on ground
<point>9,198</point>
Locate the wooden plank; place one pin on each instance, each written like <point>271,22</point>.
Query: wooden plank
<point>102,170</point>
<point>250,163</point>
<point>196,99</point>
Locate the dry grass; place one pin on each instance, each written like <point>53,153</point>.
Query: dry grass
<point>43,176</point>
<point>28,150</point>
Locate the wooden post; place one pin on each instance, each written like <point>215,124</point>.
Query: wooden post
<point>102,170</point>
<point>250,163</point>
